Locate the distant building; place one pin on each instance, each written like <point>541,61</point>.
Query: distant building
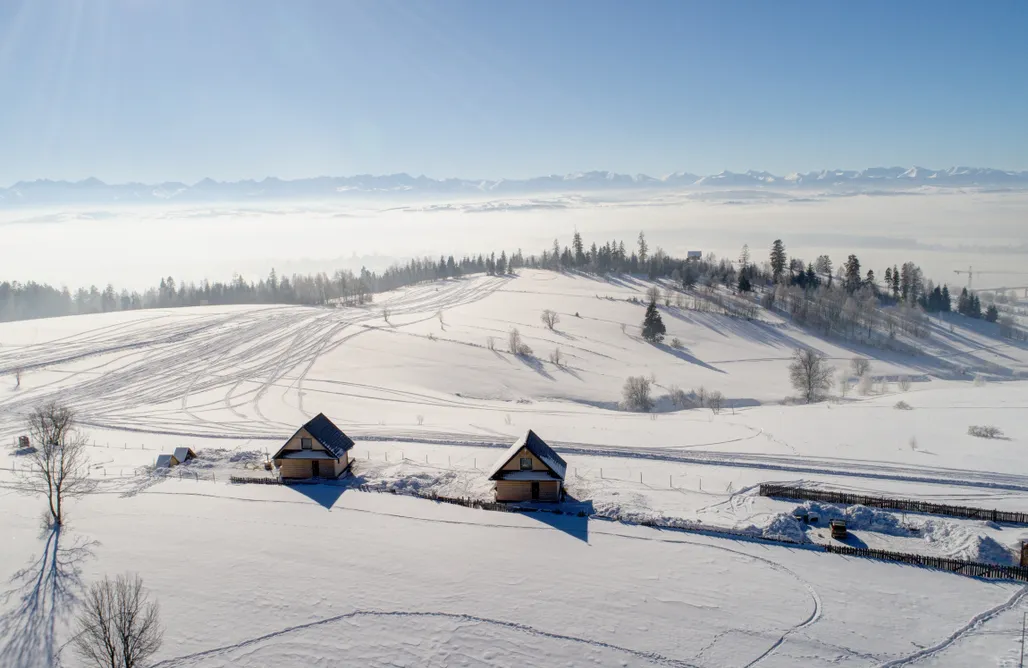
<point>694,255</point>
<point>317,450</point>
<point>529,471</point>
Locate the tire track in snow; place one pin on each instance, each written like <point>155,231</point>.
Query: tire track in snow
<point>514,626</point>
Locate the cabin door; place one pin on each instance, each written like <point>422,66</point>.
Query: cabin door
<point>315,470</point>
<point>535,491</point>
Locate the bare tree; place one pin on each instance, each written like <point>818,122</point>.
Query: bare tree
<point>865,384</point>
<point>860,365</point>
<point>17,378</point>
<point>810,373</point>
<point>556,357</point>
<point>119,627</point>
<point>701,396</point>
<point>636,394</point>
<point>439,314</point>
<point>490,342</point>
<point>550,318</point>
<point>669,294</point>
<point>677,396</point>
<point>904,383</point>
<point>715,400</point>
<point>386,313</point>
<point>653,294</point>
<point>58,465</point>
<point>514,343</point>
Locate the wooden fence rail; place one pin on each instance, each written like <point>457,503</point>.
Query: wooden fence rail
<point>910,505</point>
<point>974,569</point>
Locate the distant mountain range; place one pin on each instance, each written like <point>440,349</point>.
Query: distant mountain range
<point>95,191</point>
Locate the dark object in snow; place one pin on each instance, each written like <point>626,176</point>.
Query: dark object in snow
<point>1024,553</point>
<point>813,518</point>
<point>318,449</point>
<point>838,529</point>
<point>801,515</point>
<point>529,471</point>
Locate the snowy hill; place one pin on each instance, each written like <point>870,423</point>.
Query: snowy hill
<point>95,191</point>
<point>255,575</point>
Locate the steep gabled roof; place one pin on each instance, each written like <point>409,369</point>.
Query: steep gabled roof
<point>325,432</point>
<point>183,453</point>
<point>537,447</point>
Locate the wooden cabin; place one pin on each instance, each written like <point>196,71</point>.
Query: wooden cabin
<point>529,471</point>
<point>184,454</point>
<point>318,449</point>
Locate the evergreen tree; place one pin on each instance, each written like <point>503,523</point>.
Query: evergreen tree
<point>895,282</point>
<point>744,282</point>
<point>946,305</point>
<point>644,249</point>
<point>870,280</point>
<point>976,307</point>
<point>964,303</point>
<point>852,274</point>
<point>812,279</point>
<point>579,249</point>
<point>991,313</point>
<point>653,329</point>
<point>777,260</point>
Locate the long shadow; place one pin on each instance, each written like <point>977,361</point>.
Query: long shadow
<point>852,541</point>
<point>686,357</point>
<point>323,492</point>
<point>571,517</point>
<point>45,592</point>
<point>535,364</point>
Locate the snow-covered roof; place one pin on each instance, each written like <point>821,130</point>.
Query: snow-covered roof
<point>305,454</point>
<point>537,447</point>
<point>166,461</point>
<point>184,453</point>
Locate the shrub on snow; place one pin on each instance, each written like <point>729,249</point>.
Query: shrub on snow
<point>985,431</point>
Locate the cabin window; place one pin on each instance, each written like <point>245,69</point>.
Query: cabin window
<point>306,444</point>
<point>526,463</point>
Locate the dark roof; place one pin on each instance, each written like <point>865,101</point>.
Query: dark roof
<point>329,435</point>
<point>324,432</point>
<point>537,447</point>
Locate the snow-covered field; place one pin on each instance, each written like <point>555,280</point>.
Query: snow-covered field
<point>326,575</point>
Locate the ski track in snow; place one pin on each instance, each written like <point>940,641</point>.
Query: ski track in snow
<point>975,623</point>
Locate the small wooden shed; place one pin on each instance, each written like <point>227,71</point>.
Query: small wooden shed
<point>318,449</point>
<point>529,471</point>
<point>166,461</point>
<point>184,454</point>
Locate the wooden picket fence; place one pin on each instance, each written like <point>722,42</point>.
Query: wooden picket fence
<point>909,505</point>
<point>975,569</point>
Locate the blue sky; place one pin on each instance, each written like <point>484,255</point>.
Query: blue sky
<point>153,90</point>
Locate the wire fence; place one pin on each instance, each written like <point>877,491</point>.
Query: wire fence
<point>910,505</point>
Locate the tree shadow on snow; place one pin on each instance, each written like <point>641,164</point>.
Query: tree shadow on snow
<point>44,593</point>
<point>535,364</point>
<point>681,354</point>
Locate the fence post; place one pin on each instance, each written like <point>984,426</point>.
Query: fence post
<point>669,483</point>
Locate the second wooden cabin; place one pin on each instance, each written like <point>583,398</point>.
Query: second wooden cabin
<point>529,471</point>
